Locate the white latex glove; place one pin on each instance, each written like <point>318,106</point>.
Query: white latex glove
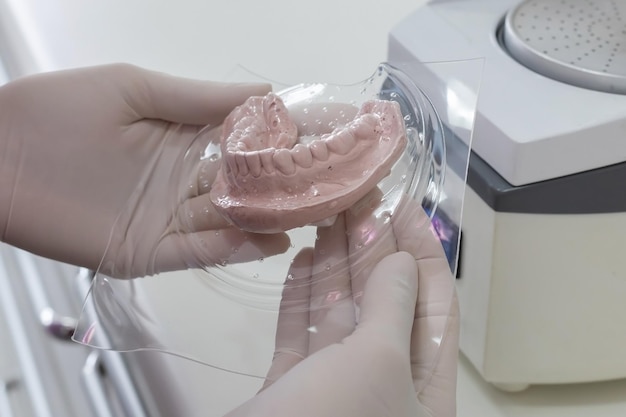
<point>359,344</point>
<point>103,159</point>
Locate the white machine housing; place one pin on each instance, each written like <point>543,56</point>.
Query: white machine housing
<point>542,276</point>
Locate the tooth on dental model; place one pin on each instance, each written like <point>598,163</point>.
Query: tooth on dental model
<point>269,182</point>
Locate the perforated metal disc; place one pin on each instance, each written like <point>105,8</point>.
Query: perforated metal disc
<point>580,42</point>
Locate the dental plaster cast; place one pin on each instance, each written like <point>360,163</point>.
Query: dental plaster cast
<point>272,180</point>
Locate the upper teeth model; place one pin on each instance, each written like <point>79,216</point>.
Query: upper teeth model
<point>273,180</point>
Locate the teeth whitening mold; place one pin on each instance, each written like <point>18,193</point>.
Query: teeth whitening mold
<point>272,180</point>
<point>294,162</point>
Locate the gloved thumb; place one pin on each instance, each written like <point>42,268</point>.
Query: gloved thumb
<point>389,297</point>
<point>189,101</point>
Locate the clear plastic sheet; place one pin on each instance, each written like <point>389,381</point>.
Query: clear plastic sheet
<point>225,314</point>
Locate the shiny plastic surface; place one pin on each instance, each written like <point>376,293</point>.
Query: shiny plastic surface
<point>225,314</point>
<point>573,41</point>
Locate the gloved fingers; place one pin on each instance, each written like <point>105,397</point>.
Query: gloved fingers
<point>292,328</point>
<point>415,234</point>
<point>388,305</point>
<point>204,172</point>
<point>180,251</point>
<point>235,246</point>
<point>434,346</point>
<point>183,100</point>
<point>198,214</point>
<point>332,315</point>
<point>414,231</point>
<point>434,316</point>
<point>437,389</point>
<point>370,239</point>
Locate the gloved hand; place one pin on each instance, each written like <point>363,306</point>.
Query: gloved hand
<point>380,338</point>
<point>103,159</point>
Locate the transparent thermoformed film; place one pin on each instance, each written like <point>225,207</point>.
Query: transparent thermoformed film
<point>225,314</point>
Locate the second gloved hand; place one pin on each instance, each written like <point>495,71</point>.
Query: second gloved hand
<point>363,334</point>
<point>103,160</point>
<point>368,374</point>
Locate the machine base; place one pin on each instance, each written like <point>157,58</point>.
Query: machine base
<point>542,295</point>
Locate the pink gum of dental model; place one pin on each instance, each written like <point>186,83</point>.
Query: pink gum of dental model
<point>268,182</point>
